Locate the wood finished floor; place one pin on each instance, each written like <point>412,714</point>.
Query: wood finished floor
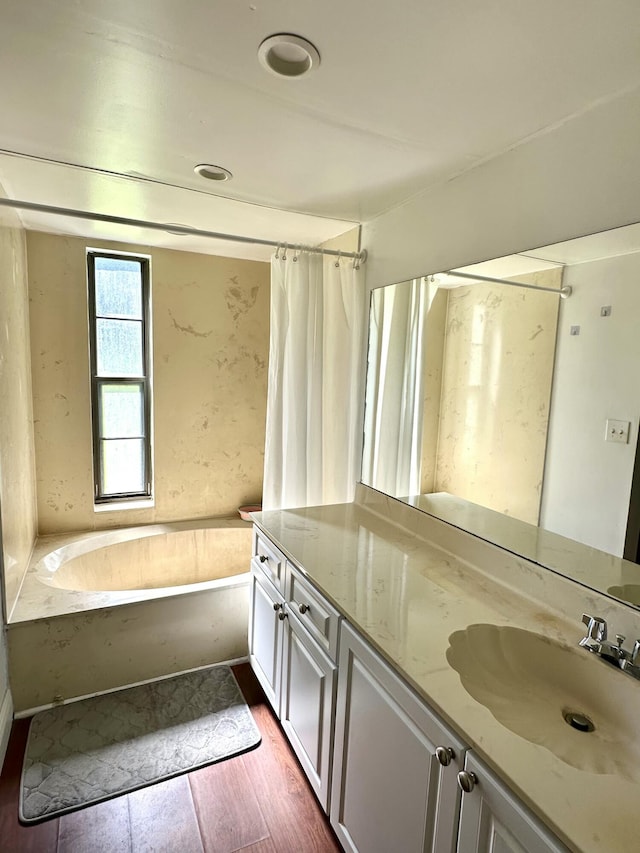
<point>259,802</point>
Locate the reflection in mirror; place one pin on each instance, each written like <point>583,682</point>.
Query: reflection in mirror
<point>512,412</point>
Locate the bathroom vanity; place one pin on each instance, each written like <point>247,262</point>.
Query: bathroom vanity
<point>357,613</point>
<point>356,619</point>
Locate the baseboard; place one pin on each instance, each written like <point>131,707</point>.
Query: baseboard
<point>6,718</point>
<point>29,712</point>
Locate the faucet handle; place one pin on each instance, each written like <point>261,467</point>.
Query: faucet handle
<point>596,628</point>
<point>635,651</point>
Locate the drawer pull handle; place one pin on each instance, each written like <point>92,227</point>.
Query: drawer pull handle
<point>282,615</point>
<point>263,559</point>
<point>445,754</point>
<point>467,780</point>
<point>276,606</point>
<point>304,608</point>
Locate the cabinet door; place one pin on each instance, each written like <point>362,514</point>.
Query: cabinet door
<point>265,637</point>
<point>492,818</point>
<point>306,705</point>
<point>389,791</point>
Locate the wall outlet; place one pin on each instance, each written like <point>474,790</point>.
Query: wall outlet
<point>617,431</point>
<point>574,330</point>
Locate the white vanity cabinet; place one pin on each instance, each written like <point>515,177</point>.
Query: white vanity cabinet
<point>387,770</point>
<point>265,635</point>
<point>492,818</point>
<point>293,639</point>
<point>308,686</point>
<point>395,763</point>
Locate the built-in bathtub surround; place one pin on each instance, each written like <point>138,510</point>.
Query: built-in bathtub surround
<point>408,583</point>
<point>103,610</point>
<point>210,329</point>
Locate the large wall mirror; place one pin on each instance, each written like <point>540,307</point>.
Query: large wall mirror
<point>504,398</point>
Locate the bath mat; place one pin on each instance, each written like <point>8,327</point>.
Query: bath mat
<point>87,751</point>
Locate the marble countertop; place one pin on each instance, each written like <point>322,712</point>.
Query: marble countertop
<point>406,588</point>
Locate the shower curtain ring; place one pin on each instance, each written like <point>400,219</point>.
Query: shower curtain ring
<point>277,256</point>
<point>284,252</point>
<point>295,254</point>
<point>337,263</point>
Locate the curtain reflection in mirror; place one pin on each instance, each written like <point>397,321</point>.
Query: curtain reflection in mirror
<point>395,387</point>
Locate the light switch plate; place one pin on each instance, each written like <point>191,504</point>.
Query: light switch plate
<point>617,431</point>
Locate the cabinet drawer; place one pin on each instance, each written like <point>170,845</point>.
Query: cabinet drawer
<point>314,612</point>
<point>268,559</point>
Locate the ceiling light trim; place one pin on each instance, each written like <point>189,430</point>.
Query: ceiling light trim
<point>288,55</point>
<point>212,173</point>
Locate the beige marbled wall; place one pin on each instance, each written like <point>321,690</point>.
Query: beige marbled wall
<point>347,242</point>
<point>435,327</point>
<point>17,474</point>
<point>494,410</point>
<point>210,359</point>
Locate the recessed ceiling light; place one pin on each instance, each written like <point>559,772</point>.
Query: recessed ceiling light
<point>212,173</point>
<point>288,55</point>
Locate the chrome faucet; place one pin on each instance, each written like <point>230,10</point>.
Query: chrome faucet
<point>596,642</point>
<point>596,633</point>
<point>629,663</point>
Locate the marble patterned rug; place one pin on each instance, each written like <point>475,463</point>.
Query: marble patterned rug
<point>87,751</point>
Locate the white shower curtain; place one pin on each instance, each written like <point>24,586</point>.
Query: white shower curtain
<point>394,408</point>
<point>312,451</point>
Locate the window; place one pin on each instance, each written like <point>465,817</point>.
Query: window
<point>119,299</point>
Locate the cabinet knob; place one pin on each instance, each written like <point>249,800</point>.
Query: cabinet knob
<point>304,608</point>
<point>444,754</point>
<point>276,606</point>
<point>263,558</point>
<point>467,780</point>
<point>282,615</point>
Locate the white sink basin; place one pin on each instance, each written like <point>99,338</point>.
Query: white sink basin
<point>530,682</point>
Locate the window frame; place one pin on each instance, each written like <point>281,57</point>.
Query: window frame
<point>145,380</point>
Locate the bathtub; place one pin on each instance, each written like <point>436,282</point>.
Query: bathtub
<point>104,610</point>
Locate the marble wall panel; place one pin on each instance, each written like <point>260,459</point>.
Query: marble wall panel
<point>494,410</point>
<point>435,327</point>
<point>210,356</point>
<point>17,472</point>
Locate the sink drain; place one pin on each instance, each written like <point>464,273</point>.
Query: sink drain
<point>578,721</point>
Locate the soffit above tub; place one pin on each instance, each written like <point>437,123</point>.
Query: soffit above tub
<point>80,189</point>
<point>407,95</point>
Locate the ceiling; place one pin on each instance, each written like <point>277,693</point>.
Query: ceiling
<point>107,107</point>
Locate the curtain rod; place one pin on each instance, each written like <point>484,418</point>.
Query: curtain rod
<point>563,292</point>
<point>174,229</point>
